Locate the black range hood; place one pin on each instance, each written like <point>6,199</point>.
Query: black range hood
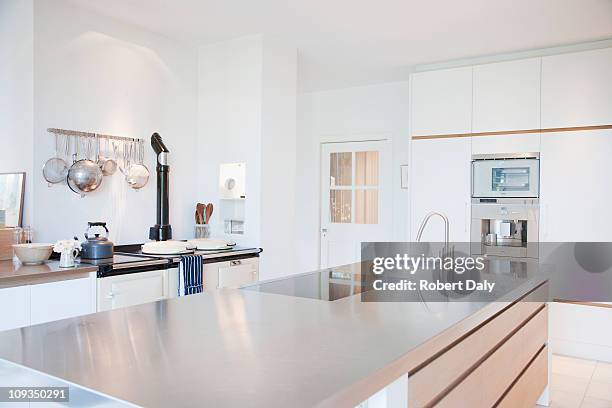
<point>162,230</point>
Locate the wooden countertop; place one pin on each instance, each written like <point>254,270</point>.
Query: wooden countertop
<point>16,274</point>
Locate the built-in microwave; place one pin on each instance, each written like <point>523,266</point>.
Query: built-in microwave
<point>506,175</point>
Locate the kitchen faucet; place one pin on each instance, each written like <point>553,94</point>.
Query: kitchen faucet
<point>446,228</point>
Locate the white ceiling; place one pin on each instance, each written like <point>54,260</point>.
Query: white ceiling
<point>350,42</point>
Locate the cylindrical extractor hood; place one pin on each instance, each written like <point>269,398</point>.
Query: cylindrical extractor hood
<point>162,230</point>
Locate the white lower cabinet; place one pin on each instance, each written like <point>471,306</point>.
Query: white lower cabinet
<point>33,304</point>
<point>14,307</point>
<point>61,300</point>
<point>238,273</point>
<point>132,289</point>
<point>581,330</point>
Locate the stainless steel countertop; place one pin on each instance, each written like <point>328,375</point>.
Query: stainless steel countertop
<point>236,348</point>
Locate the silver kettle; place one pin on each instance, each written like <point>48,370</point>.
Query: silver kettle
<point>96,246</point>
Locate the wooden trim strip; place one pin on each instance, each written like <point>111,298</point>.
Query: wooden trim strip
<point>574,302</point>
<point>513,132</point>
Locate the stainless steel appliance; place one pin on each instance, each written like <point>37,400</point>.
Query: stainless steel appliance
<point>506,175</point>
<point>505,205</point>
<point>508,229</point>
<point>97,246</point>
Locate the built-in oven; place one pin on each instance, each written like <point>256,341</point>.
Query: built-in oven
<point>505,205</point>
<point>506,175</point>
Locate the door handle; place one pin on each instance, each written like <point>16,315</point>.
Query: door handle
<point>110,295</point>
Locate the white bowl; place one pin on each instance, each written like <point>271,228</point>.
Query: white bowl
<point>33,254</point>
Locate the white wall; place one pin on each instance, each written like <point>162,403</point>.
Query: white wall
<point>247,113</point>
<point>93,73</point>
<point>229,123</point>
<point>16,93</point>
<point>351,114</point>
<point>278,155</point>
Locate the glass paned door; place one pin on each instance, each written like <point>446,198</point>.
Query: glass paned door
<point>353,202</point>
<point>354,192</point>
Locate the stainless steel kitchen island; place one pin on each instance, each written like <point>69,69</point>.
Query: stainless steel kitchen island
<point>246,348</point>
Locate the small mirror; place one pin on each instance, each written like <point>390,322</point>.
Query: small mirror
<point>12,186</point>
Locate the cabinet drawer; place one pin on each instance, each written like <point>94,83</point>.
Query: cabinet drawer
<point>434,379</point>
<point>530,385</point>
<point>489,381</point>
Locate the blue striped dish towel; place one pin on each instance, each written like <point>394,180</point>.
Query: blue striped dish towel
<point>190,275</point>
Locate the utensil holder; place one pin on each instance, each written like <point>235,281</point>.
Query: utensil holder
<point>202,230</point>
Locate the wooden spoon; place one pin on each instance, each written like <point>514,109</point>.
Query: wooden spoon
<point>209,211</point>
<point>200,212</point>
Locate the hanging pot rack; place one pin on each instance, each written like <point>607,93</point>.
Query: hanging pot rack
<point>77,133</point>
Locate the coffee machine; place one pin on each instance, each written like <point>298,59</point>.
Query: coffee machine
<point>505,205</point>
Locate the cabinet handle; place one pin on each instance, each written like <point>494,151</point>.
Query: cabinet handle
<point>234,263</point>
<point>110,295</point>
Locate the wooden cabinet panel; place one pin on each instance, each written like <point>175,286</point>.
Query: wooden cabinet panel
<point>507,96</point>
<point>440,181</point>
<point>432,380</point>
<point>441,102</point>
<point>14,307</point>
<point>530,385</point>
<point>132,289</point>
<point>489,381</point>
<point>63,299</point>
<point>576,89</point>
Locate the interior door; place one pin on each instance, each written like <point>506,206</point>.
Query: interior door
<point>356,199</point>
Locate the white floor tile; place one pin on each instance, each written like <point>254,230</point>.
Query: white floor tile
<point>603,372</point>
<point>573,367</point>
<point>564,399</point>
<point>569,384</point>
<point>600,389</point>
<point>590,402</point>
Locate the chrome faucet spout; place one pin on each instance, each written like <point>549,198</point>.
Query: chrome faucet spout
<point>446,228</point>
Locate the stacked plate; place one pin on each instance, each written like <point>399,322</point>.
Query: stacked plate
<point>207,244</point>
<point>166,248</point>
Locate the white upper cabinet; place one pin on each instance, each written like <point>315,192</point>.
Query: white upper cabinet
<point>577,89</point>
<point>441,182</point>
<point>441,102</point>
<point>507,96</point>
<point>575,171</point>
<point>520,143</point>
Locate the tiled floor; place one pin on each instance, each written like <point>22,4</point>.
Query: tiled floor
<point>577,383</point>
